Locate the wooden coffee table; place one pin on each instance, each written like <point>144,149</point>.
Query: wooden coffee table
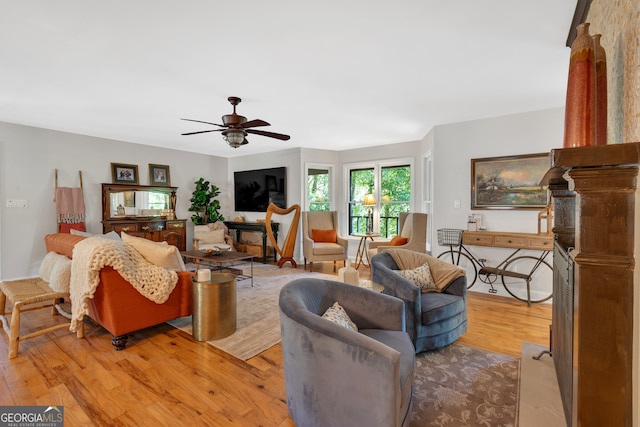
<point>221,262</point>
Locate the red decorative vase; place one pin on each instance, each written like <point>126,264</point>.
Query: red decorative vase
<point>579,119</point>
<point>601,91</point>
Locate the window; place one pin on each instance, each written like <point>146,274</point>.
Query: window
<point>157,201</point>
<point>361,182</point>
<point>395,197</point>
<point>390,184</point>
<point>318,191</point>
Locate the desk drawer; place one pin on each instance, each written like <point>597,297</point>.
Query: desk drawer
<point>477,239</point>
<point>543,243</point>
<point>510,241</point>
<point>127,228</point>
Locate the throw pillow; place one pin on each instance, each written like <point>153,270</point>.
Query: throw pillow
<point>398,241</point>
<point>61,275</point>
<point>80,233</point>
<point>49,261</point>
<point>421,277</point>
<point>328,236</point>
<point>337,315</point>
<point>110,235</point>
<point>157,253</point>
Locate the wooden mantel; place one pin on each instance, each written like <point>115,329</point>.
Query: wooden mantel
<point>595,193</point>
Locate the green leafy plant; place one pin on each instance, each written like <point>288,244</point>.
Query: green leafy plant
<point>204,204</point>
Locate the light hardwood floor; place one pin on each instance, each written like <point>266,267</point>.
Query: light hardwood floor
<point>165,378</point>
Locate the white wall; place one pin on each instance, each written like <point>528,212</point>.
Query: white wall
<point>28,159</point>
<point>454,146</point>
<point>289,158</point>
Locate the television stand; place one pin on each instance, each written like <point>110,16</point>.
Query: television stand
<point>255,226</point>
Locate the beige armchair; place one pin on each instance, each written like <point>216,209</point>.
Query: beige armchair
<point>328,245</point>
<point>214,235</point>
<point>413,226</point>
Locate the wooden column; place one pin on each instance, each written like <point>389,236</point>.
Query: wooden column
<point>596,215</point>
<point>603,295</point>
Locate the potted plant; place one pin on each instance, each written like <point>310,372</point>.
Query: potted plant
<point>204,204</point>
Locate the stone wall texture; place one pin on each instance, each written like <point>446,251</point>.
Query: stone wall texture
<point>619,23</point>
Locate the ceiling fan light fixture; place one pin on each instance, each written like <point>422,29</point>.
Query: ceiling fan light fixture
<point>236,127</point>
<point>234,137</point>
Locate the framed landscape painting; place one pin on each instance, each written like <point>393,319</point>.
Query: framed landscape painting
<point>509,182</point>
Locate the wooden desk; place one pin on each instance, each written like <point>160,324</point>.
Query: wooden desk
<point>515,267</point>
<point>155,229</point>
<point>255,226</point>
<point>499,239</point>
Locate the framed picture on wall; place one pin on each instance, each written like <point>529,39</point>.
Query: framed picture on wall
<point>124,174</point>
<point>509,182</point>
<point>159,175</point>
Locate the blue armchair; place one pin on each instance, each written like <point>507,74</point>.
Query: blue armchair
<point>335,376</point>
<point>434,319</point>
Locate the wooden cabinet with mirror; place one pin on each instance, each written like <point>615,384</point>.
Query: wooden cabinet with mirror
<point>143,211</point>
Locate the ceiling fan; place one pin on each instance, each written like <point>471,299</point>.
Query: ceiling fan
<point>236,127</point>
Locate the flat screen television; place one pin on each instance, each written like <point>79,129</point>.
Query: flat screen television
<point>255,189</point>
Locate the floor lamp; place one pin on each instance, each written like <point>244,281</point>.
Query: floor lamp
<point>369,201</point>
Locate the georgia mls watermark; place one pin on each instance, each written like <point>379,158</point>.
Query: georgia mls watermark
<point>31,416</point>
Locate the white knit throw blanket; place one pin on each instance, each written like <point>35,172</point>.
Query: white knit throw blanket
<point>93,253</point>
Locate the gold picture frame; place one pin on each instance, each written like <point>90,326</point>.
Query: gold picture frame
<point>122,173</point>
<point>509,182</point>
<point>159,175</point>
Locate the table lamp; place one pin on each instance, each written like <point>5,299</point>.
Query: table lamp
<point>369,201</point>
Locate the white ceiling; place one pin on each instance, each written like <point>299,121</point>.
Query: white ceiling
<point>333,74</point>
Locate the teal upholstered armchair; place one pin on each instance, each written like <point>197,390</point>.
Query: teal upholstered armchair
<point>434,319</point>
<point>335,376</point>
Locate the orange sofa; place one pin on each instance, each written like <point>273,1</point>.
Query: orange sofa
<point>117,306</point>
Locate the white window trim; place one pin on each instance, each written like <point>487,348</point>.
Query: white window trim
<point>332,192</point>
<point>377,168</point>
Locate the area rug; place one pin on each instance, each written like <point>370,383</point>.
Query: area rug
<point>258,323</point>
<point>465,386</point>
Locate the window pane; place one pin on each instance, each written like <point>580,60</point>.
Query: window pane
<point>396,183</point>
<point>318,190</point>
<point>360,183</point>
<point>395,197</point>
<point>157,201</point>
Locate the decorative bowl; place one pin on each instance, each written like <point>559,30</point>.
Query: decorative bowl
<point>215,250</point>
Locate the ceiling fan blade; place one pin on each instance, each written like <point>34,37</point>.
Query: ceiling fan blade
<point>269,134</point>
<point>200,121</point>
<point>255,123</point>
<point>245,142</point>
<point>203,131</point>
